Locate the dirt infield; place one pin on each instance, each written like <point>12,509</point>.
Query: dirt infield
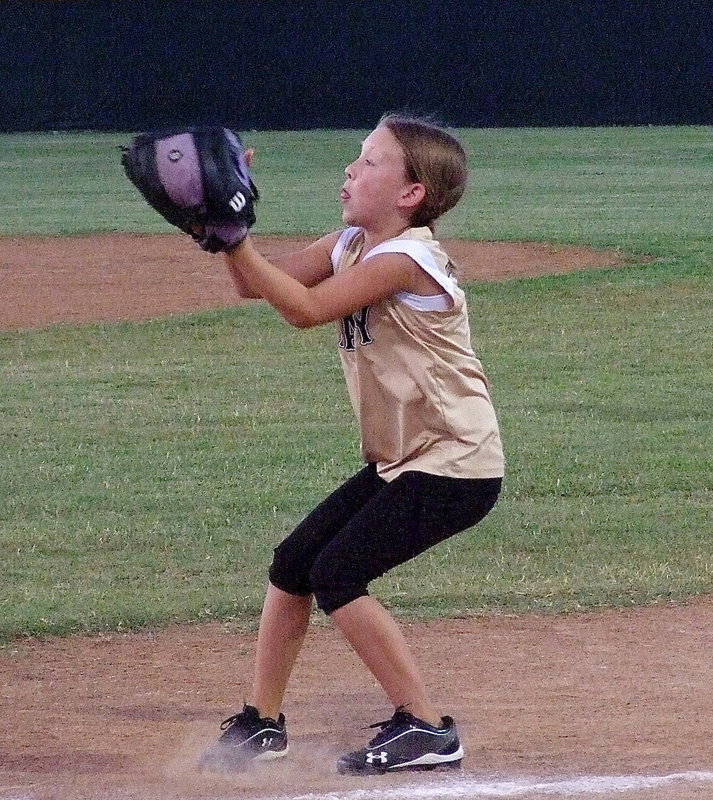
<point>599,704</point>
<point>95,278</point>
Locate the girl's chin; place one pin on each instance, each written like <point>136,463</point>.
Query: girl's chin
<point>350,217</point>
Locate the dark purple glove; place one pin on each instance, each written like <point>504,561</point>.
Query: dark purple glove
<point>198,180</point>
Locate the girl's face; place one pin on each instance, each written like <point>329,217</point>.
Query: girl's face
<point>375,186</point>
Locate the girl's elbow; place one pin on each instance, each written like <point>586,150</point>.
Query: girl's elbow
<point>306,315</point>
<point>300,320</point>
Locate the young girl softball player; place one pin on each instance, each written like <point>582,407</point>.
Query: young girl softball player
<point>429,439</point>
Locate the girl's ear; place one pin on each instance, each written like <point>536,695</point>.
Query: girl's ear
<point>412,195</point>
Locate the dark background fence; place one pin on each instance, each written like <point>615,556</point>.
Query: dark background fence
<point>125,65</point>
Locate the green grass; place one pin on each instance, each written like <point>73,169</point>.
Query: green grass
<point>148,469</point>
<point>152,467</point>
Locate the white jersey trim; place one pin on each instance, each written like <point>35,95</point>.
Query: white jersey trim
<point>426,302</point>
<point>421,255</point>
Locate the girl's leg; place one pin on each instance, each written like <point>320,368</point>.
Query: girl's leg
<point>288,602</point>
<point>378,641</point>
<point>283,625</point>
<point>408,516</point>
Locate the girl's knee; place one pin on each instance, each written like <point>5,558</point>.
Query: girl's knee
<point>333,588</point>
<point>288,571</point>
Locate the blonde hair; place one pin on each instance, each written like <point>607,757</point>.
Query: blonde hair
<point>434,158</point>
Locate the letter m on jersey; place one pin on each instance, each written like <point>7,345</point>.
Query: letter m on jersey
<point>353,324</point>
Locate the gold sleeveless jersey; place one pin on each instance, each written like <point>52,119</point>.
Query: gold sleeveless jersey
<point>416,387</point>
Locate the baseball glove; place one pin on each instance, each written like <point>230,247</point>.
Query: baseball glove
<point>198,179</point>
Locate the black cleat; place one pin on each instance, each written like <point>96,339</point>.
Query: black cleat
<point>248,737</point>
<point>405,743</point>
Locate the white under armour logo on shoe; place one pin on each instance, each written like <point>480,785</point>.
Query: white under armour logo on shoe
<point>381,757</point>
<point>266,741</point>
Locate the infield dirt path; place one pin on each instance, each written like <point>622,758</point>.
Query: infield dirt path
<point>538,699</point>
<point>48,280</point>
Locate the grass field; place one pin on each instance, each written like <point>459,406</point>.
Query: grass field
<point>148,469</point>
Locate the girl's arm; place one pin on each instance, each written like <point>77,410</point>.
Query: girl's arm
<point>306,293</point>
<point>308,266</point>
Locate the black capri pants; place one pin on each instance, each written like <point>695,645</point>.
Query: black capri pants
<point>368,526</point>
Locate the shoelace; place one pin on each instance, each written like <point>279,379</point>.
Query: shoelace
<point>401,717</point>
<point>236,719</point>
